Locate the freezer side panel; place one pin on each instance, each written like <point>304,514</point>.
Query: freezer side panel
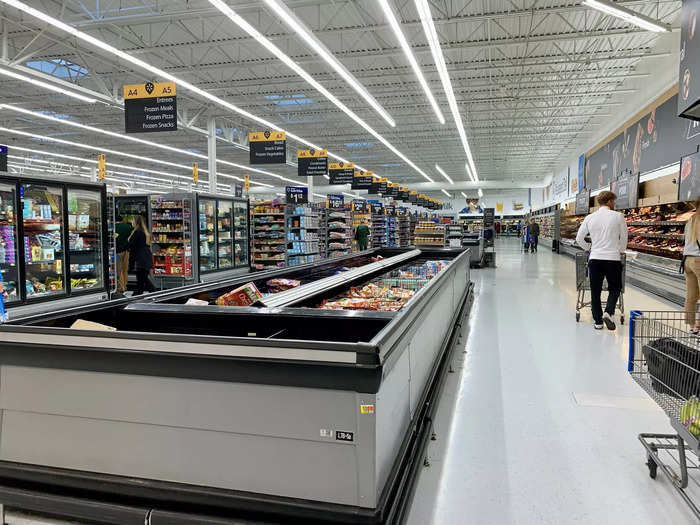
<point>392,417</point>
<point>248,437</point>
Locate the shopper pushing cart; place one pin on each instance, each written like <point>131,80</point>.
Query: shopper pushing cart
<point>608,233</point>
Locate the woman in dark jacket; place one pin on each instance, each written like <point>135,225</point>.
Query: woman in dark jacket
<point>140,252</point>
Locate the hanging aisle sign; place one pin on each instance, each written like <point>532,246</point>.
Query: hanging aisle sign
<point>361,180</point>
<point>341,172</point>
<point>392,189</point>
<point>383,185</point>
<point>333,202</point>
<point>312,162</point>
<point>3,158</point>
<point>101,166</point>
<point>296,194</point>
<point>238,190</point>
<point>268,147</point>
<point>195,172</point>
<point>413,196</point>
<point>403,194</point>
<point>150,107</point>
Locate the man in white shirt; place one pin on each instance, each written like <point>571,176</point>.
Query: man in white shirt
<point>608,232</point>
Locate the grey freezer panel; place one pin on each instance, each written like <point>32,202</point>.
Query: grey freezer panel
<point>30,309</point>
<point>223,275</point>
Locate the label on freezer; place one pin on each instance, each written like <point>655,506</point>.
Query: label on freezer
<point>341,435</point>
<point>366,409</point>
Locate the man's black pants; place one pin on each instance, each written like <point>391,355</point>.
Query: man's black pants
<point>611,271</point>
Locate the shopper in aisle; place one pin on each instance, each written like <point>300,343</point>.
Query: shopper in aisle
<point>123,230</point>
<point>362,233</point>
<point>608,232</point>
<point>534,236</point>
<point>140,251</point>
<point>691,266</point>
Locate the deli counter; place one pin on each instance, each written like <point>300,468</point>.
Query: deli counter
<point>316,411</point>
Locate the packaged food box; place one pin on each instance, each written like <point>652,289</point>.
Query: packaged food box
<point>242,296</point>
<point>82,324</point>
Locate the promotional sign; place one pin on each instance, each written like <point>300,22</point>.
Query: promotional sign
<point>689,184</point>
<point>627,190</point>
<point>689,70</point>
<point>150,107</point>
<point>390,210</point>
<point>296,194</point>
<point>268,147</point>
<point>499,206</point>
<point>238,190</point>
<point>101,166</point>
<point>341,172</point>
<point>361,180</point>
<point>360,206</point>
<point>489,216</point>
<point>333,202</point>
<point>383,185</point>
<point>560,186</point>
<point>377,207</point>
<point>312,162</point>
<point>583,199</point>
<point>658,139</point>
<point>3,158</point>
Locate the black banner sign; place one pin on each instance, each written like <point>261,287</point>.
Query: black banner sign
<point>361,181</point>
<point>296,194</point>
<point>150,108</point>
<point>268,147</point>
<point>312,163</point>
<point>403,194</point>
<point>413,197</point>
<point>341,172</point>
<point>238,190</point>
<point>583,200</point>
<point>382,186</point>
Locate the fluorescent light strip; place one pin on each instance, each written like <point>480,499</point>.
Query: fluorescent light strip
<point>287,16</point>
<point>442,172</point>
<point>463,194</point>
<point>446,193</point>
<point>469,173</point>
<point>183,84</point>
<point>612,9</point>
<point>481,192</point>
<point>395,26</point>
<point>434,42</point>
<point>45,85</point>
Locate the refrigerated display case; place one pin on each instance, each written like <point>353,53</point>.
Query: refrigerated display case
<point>130,205</point>
<point>52,242</point>
<point>174,257</point>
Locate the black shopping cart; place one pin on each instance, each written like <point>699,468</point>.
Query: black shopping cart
<point>583,285</point>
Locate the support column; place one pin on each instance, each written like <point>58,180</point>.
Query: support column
<point>211,147</point>
<point>310,183</point>
<point>93,174</point>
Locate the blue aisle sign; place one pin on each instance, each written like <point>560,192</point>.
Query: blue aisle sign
<point>296,194</point>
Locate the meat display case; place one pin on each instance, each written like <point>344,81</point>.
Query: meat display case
<point>53,243</point>
<point>285,413</point>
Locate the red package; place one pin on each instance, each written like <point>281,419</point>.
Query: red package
<point>242,296</point>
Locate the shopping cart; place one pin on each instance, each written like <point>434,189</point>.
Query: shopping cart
<point>664,359</point>
<point>583,285</point>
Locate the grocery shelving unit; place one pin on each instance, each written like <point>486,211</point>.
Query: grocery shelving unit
<point>359,216</point>
<point>392,231</point>
<point>338,232</point>
<point>379,233</point>
<point>269,237</point>
<point>430,235</point>
<point>303,227</point>
<point>404,223</point>
<point>549,221</point>
<point>453,235</point>
<point>173,234</point>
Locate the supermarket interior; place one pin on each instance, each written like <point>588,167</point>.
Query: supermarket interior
<point>316,262</point>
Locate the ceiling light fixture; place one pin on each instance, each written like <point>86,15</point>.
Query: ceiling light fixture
<point>396,27</point>
<point>469,173</point>
<point>446,193</point>
<point>613,9</point>
<point>45,85</point>
<point>434,42</point>
<point>481,192</point>
<point>287,16</point>
<point>463,194</point>
<point>442,172</point>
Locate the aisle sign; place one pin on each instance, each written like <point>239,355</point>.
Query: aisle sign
<point>393,189</point>
<point>246,182</point>
<point>360,206</point>
<point>403,194</point>
<point>341,172</point>
<point>296,194</point>
<point>150,107</point>
<point>3,158</point>
<point>382,187</point>
<point>361,181</point>
<point>334,202</point>
<point>101,166</point>
<point>238,190</point>
<point>413,196</point>
<point>583,199</point>
<point>312,162</point>
<point>268,147</point>
<point>195,172</point>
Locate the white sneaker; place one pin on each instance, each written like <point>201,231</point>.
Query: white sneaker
<point>597,326</point>
<point>608,320</point>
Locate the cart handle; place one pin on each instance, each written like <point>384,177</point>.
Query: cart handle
<point>630,360</point>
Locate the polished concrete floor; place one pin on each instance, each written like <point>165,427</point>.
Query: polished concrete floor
<point>538,424</point>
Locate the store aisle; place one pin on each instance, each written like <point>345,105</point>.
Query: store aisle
<point>522,438</point>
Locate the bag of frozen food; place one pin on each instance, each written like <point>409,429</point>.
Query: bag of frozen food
<point>242,296</point>
<point>279,285</point>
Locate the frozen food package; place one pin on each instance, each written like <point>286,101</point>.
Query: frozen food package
<point>197,302</point>
<point>242,296</point>
<point>82,324</point>
<point>280,285</point>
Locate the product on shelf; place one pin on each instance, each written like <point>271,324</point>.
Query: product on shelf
<point>269,240</point>
<point>279,284</point>
<point>242,296</point>
<point>171,228</point>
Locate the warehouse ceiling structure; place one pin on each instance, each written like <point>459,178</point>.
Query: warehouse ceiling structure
<point>434,94</point>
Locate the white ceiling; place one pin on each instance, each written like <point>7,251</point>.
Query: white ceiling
<point>534,79</point>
